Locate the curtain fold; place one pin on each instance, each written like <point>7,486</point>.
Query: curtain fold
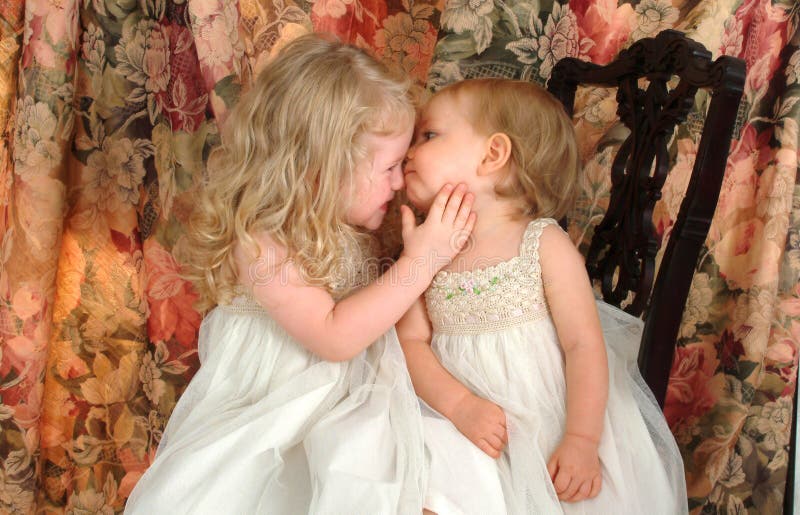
<point>110,110</point>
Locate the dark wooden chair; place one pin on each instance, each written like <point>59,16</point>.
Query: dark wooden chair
<point>622,251</point>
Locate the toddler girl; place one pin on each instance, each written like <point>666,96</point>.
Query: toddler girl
<point>507,347</point>
<point>302,403</point>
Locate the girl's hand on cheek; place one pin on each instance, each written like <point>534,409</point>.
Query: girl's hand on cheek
<point>445,230</point>
<point>574,469</point>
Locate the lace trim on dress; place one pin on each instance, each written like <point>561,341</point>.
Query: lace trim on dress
<point>244,304</point>
<point>504,321</point>
<point>497,297</point>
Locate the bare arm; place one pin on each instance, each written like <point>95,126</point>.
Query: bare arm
<point>337,331</point>
<point>574,466</point>
<point>481,421</point>
<point>432,382</point>
<point>569,296</point>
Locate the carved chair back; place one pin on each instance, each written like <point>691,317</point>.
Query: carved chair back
<point>623,248</point>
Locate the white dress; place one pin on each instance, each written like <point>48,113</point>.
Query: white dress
<point>267,427</point>
<point>492,330</point>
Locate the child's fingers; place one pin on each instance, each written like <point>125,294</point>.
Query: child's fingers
<point>496,443</point>
<point>454,204</point>
<point>440,202</point>
<point>464,222</point>
<point>460,239</point>
<point>571,489</point>
<point>469,225</point>
<point>574,487</point>
<point>488,449</point>
<point>552,468</point>
<point>502,433</point>
<point>583,492</point>
<point>464,210</point>
<point>562,484</point>
<point>406,219</point>
<point>596,483</point>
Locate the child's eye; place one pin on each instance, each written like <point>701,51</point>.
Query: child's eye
<point>423,136</point>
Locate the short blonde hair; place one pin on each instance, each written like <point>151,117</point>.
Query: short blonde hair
<point>290,149</point>
<point>544,151</point>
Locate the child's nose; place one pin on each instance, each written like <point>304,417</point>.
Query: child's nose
<point>396,180</point>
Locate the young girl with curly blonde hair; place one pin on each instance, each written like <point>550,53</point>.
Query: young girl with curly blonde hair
<point>537,406</point>
<point>302,403</point>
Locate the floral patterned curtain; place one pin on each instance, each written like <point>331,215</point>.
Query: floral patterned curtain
<point>110,108</point>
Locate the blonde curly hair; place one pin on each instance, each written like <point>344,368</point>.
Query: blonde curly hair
<point>544,150</point>
<point>286,165</point>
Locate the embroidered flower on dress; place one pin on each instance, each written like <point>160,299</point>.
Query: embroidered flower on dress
<point>469,286</point>
<point>503,295</point>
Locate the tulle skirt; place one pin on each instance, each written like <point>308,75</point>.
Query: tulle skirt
<point>267,427</point>
<point>522,370</point>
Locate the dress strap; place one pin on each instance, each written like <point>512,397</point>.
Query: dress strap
<point>529,248</point>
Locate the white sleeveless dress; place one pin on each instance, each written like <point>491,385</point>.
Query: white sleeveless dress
<point>267,427</point>
<point>492,330</point>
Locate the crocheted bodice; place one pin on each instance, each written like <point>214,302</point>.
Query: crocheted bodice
<point>492,298</point>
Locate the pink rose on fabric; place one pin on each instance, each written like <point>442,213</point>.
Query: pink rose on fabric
<point>27,301</point>
<point>50,33</point>
<point>746,256</point>
<point>24,355</point>
<point>560,39</point>
<point>214,46</point>
<point>219,47</point>
<point>134,468</point>
<point>666,211</point>
<point>732,37</point>
<point>688,393</point>
<point>783,356</point>
<point>750,153</point>
<point>27,413</point>
<point>605,23</point>
<point>170,298</point>
<point>765,37</point>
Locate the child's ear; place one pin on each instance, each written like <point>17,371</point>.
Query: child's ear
<point>498,153</point>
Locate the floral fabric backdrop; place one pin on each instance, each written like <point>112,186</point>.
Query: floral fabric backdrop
<point>110,108</point>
